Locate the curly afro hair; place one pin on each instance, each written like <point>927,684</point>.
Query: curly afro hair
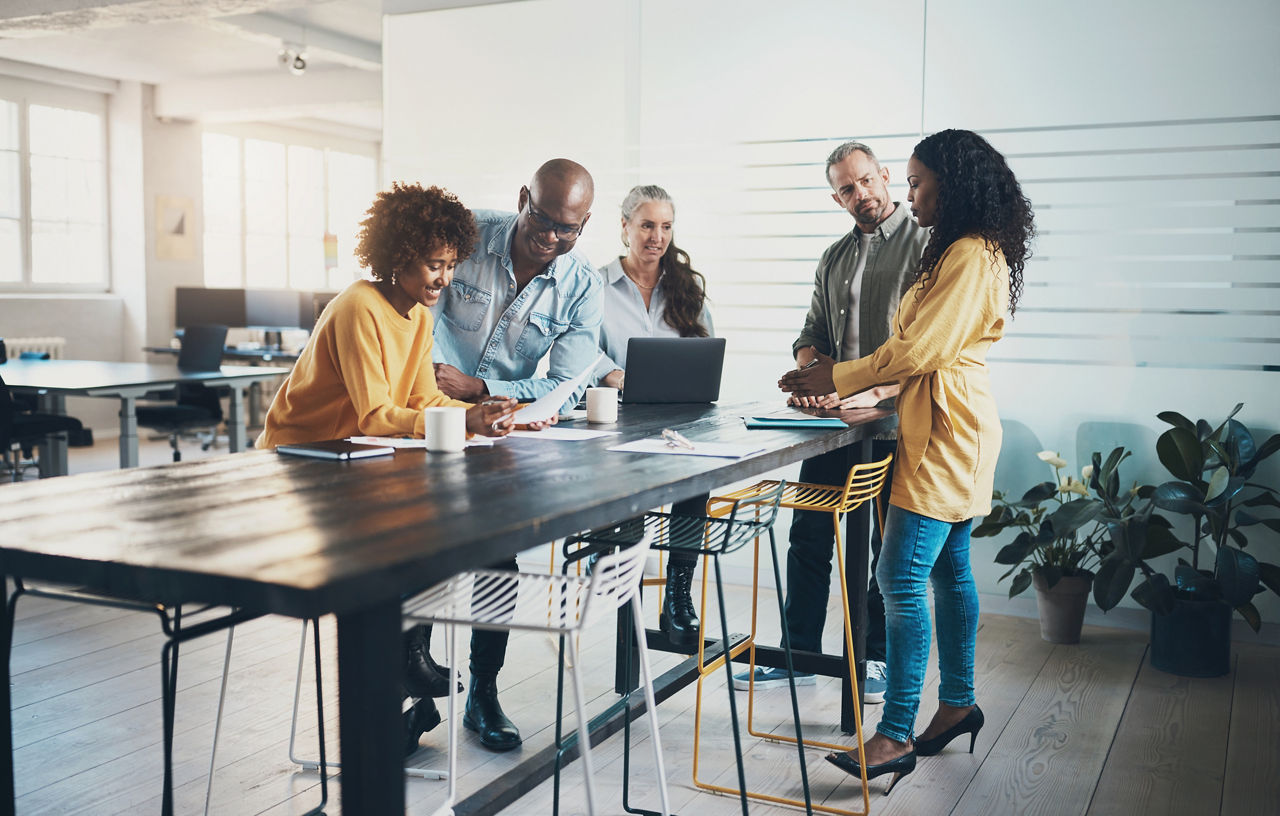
<point>977,195</point>
<point>407,222</point>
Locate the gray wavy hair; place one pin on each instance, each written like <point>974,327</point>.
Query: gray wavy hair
<point>642,193</point>
<point>846,150</point>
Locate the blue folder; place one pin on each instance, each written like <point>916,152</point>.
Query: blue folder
<point>793,424</point>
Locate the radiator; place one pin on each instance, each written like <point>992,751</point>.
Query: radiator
<point>52,346</point>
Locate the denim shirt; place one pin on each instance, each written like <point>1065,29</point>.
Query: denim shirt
<point>487,330</point>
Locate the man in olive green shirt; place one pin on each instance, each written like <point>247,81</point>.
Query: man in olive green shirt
<point>857,286</point>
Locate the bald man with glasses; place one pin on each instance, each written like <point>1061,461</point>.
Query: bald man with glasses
<point>521,296</point>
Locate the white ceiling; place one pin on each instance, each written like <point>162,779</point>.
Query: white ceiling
<point>215,60</point>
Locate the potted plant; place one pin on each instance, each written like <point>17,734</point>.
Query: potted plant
<point>1213,470</point>
<point>1063,527</point>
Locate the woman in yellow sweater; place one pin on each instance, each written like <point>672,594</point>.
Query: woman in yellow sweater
<point>367,368</point>
<point>970,276</point>
<point>367,372</point>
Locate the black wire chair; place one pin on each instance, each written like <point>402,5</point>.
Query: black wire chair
<point>726,528</point>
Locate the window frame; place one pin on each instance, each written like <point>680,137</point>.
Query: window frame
<point>25,93</point>
<point>287,137</point>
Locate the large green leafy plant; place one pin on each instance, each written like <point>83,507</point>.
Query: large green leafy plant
<point>1214,472</point>
<point>1063,523</point>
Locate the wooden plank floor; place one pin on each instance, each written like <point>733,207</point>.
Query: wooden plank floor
<point>1091,729</point>
<point>1088,729</point>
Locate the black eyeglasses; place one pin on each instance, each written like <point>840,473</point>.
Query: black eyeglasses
<point>541,223</point>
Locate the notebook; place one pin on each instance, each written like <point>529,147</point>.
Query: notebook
<point>673,369</point>
<point>335,449</point>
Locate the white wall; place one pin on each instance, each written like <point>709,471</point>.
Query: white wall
<point>1145,134</point>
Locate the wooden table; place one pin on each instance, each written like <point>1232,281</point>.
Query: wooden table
<point>55,380</point>
<point>304,537</point>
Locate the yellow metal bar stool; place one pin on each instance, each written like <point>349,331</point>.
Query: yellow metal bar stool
<point>735,524</point>
<point>864,482</point>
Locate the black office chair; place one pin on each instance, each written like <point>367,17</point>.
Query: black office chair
<point>21,431</point>
<point>197,407</point>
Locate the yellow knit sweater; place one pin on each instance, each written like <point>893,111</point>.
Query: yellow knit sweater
<point>366,371</point>
<point>949,431</point>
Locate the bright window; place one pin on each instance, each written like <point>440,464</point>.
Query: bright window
<point>270,210</point>
<point>53,196</point>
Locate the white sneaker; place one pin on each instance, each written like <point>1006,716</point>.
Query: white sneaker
<point>877,681</point>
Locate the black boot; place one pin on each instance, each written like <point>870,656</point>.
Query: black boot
<point>423,676</point>
<point>418,720</point>
<point>484,716</point>
<point>678,618</point>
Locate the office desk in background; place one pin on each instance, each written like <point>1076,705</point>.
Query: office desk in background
<point>55,380</point>
<point>308,537</point>
<point>253,357</point>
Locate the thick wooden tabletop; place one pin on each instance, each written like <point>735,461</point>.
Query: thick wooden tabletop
<point>79,377</point>
<point>304,537</point>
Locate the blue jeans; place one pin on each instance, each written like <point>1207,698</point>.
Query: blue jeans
<point>917,548</point>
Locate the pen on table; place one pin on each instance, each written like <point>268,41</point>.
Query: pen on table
<point>676,439</point>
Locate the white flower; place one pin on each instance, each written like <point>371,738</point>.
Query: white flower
<point>1072,485</point>
<point>1086,472</point>
<point>1052,458</point>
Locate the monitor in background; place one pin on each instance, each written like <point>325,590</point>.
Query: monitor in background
<point>197,306</point>
<point>271,309</point>
<point>315,304</point>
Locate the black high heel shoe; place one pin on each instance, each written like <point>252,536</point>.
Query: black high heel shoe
<point>899,767</point>
<point>971,725</point>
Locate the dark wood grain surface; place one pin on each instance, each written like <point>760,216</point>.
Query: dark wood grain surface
<point>304,537</point>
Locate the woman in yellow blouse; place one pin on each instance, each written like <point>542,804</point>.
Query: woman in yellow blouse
<point>948,436</point>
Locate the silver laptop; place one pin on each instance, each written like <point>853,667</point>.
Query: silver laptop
<point>673,369</point>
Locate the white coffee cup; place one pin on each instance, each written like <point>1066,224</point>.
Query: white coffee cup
<point>602,405</point>
<point>445,428</point>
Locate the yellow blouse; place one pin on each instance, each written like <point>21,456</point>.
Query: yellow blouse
<point>948,428</point>
<point>365,372</point>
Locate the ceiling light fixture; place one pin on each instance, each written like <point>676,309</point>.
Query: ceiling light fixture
<point>293,58</point>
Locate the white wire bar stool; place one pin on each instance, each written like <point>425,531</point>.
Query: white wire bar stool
<point>561,605</point>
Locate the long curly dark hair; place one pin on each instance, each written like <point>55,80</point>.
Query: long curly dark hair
<point>407,222</point>
<point>977,195</point>
<point>684,288</point>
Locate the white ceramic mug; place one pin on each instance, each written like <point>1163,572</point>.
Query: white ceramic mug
<point>602,405</point>
<point>445,428</point>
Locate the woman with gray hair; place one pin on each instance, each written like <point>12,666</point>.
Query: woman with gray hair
<point>654,291</point>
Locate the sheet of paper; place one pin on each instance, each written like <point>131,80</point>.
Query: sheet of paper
<point>548,405</point>
<point>724,450</point>
<point>400,442</point>
<point>557,434</point>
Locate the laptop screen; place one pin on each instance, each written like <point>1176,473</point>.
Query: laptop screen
<point>673,369</point>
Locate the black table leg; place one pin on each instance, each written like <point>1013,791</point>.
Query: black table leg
<point>626,663</point>
<point>6,719</point>
<point>857,536</point>
<point>369,722</point>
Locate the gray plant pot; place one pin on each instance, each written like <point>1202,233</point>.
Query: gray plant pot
<point>1062,606</point>
<point>1194,640</point>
